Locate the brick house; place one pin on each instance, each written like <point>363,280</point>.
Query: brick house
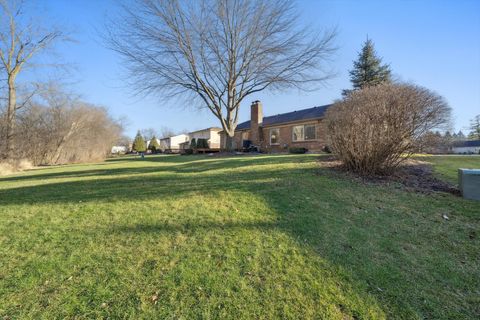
<point>302,128</point>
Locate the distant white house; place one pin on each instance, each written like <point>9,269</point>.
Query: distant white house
<point>466,147</point>
<point>119,149</point>
<point>172,144</point>
<point>212,135</point>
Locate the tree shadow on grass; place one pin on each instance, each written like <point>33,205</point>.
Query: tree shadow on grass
<point>173,164</point>
<point>137,187</point>
<point>383,245</point>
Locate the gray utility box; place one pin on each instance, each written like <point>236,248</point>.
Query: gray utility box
<point>469,183</point>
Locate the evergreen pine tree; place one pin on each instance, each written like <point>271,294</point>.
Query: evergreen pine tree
<point>475,128</point>
<point>368,70</point>
<point>154,145</point>
<point>139,144</point>
<point>193,144</point>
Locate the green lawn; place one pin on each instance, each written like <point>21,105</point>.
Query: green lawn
<point>447,166</point>
<point>264,237</point>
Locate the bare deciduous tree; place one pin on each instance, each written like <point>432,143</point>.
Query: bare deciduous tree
<point>20,41</point>
<point>149,133</point>
<point>62,129</point>
<point>374,129</point>
<point>218,52</point>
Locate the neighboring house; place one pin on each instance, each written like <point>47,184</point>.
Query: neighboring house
<point>119,149</point>
<point>212,135</point>
<point>173,144</point>
<point>164,144</point>
<point>302,128</point>
<point>469,147</point>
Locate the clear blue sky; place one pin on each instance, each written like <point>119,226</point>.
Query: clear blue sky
<point>435,44</point>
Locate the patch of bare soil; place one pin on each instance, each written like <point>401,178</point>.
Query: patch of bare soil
<point>412,174</point>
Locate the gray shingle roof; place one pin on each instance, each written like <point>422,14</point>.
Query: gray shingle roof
<point>305,114</point>
<point>471,143</point>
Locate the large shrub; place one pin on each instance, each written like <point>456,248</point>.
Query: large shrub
<point>374,129</point>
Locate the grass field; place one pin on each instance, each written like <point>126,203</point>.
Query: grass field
<point>447,166</point>
<point>264,237</point>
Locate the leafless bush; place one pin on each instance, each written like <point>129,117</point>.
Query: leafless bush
<point>373,130</point>
<point>60,128</point>
<point>12,166</point>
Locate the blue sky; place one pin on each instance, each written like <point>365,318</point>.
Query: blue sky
<point>435,44</point>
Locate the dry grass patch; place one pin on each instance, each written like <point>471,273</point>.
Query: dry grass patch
<point>11,166</point>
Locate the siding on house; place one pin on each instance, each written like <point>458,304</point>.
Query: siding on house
<point>173,143</point>
<point>164,144</point>
<point>119,149</point>
<point>472,146</point>
<point>212,135</point>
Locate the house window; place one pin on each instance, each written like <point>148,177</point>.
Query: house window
<point>304,132</point>
<point>274,136</point>
<point>310,132</point>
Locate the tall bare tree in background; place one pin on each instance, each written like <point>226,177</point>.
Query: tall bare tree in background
<point>218,52</point>
<point>20,41</point>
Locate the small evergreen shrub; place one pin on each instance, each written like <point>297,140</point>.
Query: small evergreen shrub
<point>297,150</point>
<point>188,151</point>
<point>193,144</point>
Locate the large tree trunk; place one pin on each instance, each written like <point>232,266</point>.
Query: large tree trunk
<point>229,129</point>
<point>229,143</point>
<point>11,108</point>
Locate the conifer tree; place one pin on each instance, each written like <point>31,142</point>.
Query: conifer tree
<point>368,70</point>
<point>193,144</point>
<point>475,128</point>
<point>139,144</point>
<point>154,145</point>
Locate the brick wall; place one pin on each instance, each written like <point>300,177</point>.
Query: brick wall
<point>256,120</point>
<point>286,138</point>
